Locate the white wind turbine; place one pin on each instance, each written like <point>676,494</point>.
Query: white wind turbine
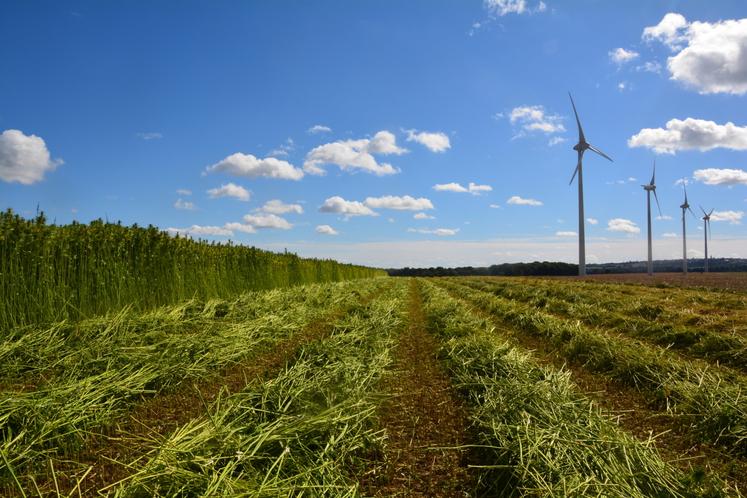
<point>581,147</point>
<point>707,227</point>
<point>684,206</point>
<point>651,187</point>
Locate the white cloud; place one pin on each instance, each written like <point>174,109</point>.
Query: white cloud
<point>441,232</point>
<point>434,141</point>
<point>423,216</point>
<point>355,154</point>
<point>197,230</point>
<point>494,206</point>
<point>472,188</point>
<point>714,176</point>
<point>622,225</point>
<point>691,134</point>
<point>284,149</point>
<point>664,217</point>
<point>711,57</point>
<point>622,86</point>
<point>520,201</point>
<point>276,206</point>
<point>620,56</point>
<point>230,190</point>
<point>669,235</point>
<point>153,135</point>
<point>338,205</point>
<point>682,181</point>
<point>632,179</point>
<point>267,221</point>
<point>405,203</point>
<point>556,140</point>
<point>24,158</point>
<point>592,221</point>
<point>326,230</point>
<point>566,234</point>
<point>534,118</point>
<point>669,31</point>
<point>649,67</point>
<point>319,129</point>
<point>183,191</point>
<point>240,227</point>
<point>247,165</point>
<point>733,217</point>
<point>503,7</point>
<point>185,205</point>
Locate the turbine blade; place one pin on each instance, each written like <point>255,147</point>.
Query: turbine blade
<point>701,208</point>
<point>654,175</point>
<point>711,212</point>
<point>691,212</point>
<point>578,166</point>
<point>581,137</point>
<point>657,202</point>
<point>600,152</point>
<point>709,228</point>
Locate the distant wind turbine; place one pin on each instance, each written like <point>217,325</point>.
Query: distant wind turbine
<point>651,187</point>
<point>581,147</point>
<point>684,206</point>
<point>707,234</point>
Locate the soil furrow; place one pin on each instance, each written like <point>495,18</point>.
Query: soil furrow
<point>425,422</point>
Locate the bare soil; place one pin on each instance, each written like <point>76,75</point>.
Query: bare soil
<point>425,453</point>
<point>735,281</point>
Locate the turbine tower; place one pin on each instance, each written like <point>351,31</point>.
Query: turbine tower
<point>651,187</point>
<point>685,206</point>
<point>707,234</point>
<point>581,147</point>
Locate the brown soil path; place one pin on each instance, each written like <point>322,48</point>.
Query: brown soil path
<point>109,457</point>
<point>631,408</point>
<point>425,453</point>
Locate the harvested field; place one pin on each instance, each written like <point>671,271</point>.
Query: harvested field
<point>730,281</point>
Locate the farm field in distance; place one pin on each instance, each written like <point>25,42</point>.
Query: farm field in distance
<point>464,386</point>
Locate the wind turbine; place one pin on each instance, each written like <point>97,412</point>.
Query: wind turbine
<point>707,234</point>
<point>651,187</point>
<point>581,147</point>
<point>684,206</point>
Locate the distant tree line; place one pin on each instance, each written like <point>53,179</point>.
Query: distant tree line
<point>535,268</point>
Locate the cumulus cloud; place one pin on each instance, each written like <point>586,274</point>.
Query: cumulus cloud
<point>355,155</point>
<point>471,188</point>
<point>441,232</point>
<point>240,227</point>
<point>247,165</point>
<point>326,230</point>
<point>184,205</point>
<point>338,205</point>
<point>711,57</point>
<point>649,67</point>
<point>620,56</point>
<point>504,7</point>
<point>267,221</point>
<point>715,176</point>
<point>198,230</point>
<point>733,217</point>
<point>151,135</point>
<point>566,234</point>
<point>405,203</point>
<point>556,141</point>
<point>434,141</point>
<point>423,216</point>
<point>622,225</point>
<point>183,191</point>
<point>319,129</point>
<point>691,134</point>
<point>284,149</point>
<point>592,221</point>
<point>520,201</point>
<point>230,190</point>
<point>663,217</point>
<point>24,158</point>
<point>535,118</point>
<point>276,206</point>
<point>494,206</point>
<point>669,235</point>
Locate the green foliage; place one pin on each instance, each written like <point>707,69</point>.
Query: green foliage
<point>50,273</point>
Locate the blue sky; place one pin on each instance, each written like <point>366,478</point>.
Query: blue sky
<point>193,116</point>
